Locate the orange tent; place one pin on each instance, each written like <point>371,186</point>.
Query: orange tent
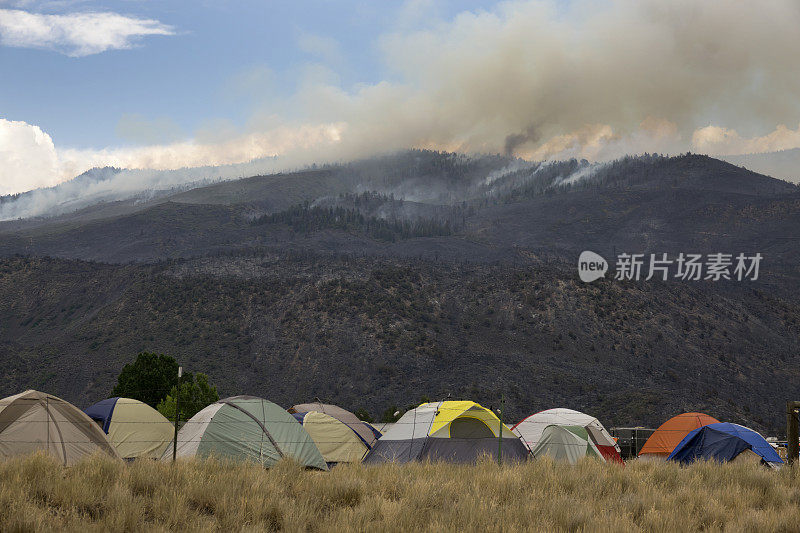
<point>671,432</point>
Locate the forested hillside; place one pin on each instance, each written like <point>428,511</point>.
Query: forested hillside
<point>370,333</point>
<point>375,283</point>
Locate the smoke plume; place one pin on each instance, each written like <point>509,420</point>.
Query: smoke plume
<point>541,79</point>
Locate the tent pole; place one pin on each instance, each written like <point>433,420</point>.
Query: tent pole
<point>47,420</point>
<point>177,414</point>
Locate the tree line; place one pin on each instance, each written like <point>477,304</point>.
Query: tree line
<point>304,218</point>
<point>153,379</point>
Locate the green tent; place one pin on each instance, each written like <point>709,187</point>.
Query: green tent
<point>246,428</point>
<point>566,443</point>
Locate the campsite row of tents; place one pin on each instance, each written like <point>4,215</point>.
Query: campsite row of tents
<point>319,435</point>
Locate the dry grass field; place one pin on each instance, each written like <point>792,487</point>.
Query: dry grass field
<point>36,494</point>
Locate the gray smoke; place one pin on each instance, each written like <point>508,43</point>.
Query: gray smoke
<point>596,80</point>
<point>530,135</point>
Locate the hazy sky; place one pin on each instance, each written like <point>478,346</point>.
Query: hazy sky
<point>167,84</point>
<point>215,60</point>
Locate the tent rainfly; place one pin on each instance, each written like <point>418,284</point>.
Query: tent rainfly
<point>566,443</point>
<point>246,428</point>
<point>134,428</point>
<point>33,420</point>
<point>335,440</point>
<point>531,429</point>
<point>364,431</point>
<point>454,431</point>
<point>670,433</point>
<point>723,442</point>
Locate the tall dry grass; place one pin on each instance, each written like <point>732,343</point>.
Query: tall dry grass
<point>100,494</point>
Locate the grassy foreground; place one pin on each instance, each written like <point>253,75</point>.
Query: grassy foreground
<point>100,494</point>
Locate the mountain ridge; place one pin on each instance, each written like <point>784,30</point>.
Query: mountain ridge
<point>322,290</point>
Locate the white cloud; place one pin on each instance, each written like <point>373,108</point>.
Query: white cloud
<point>715,140</point>
<point>76,34</point>
<point>287,141</point>
<point>28,158</point>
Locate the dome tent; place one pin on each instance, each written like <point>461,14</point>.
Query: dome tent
<point>134,428</point>
<point>723,442</point>
<point>566,443</point>
<point>361,428</point>
<point>455,431</point>
<point>375,431</point>
<point>246,428</point>
<point>33,420</point>
<point>335,440</point>
<point>530,430</point>
<point>670,433</point>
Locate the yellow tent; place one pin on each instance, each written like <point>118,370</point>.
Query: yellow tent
<point>457,431</point>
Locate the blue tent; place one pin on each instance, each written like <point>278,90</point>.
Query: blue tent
<point>101,412</point>
<point>722,442</point>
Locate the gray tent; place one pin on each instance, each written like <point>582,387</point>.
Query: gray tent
<point>33,420</point>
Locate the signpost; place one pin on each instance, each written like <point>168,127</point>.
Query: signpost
<point>792,445</point>
<point>500,432</point>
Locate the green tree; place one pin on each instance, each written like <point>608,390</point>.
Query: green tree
<point>148,379</point>
<point>363,414</point>
<point>196,393</point>
<point>391,414</point>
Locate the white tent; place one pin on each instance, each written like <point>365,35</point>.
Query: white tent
<point>566,443</point>
<point>531,428</point>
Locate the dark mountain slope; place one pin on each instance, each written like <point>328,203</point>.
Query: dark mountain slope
<point>784,164</point>
<point>372,333</point>
<point>313,300</point>
<point>646,221</point>
<point>690,171</point>
<point>268,193</point>
<point>647,204</point>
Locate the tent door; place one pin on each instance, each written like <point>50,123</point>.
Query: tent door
<point>466,427</point>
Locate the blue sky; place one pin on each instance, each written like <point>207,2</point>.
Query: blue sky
<point>195,76</point>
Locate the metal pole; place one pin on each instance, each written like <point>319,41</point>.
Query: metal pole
<point>177,414</point>
<point>792,432</point>
<point>47,420</point>
<point>500,433</point>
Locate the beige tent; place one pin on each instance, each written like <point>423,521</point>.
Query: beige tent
<point>134,428</point>
<point>336,441</point>
<point>33,420</point>
<point>364,431</point>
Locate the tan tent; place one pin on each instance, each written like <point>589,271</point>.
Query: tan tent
<point>364,431</point>
<point>336,441</point>
<point>134,428</point>
<point>33,420</point>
